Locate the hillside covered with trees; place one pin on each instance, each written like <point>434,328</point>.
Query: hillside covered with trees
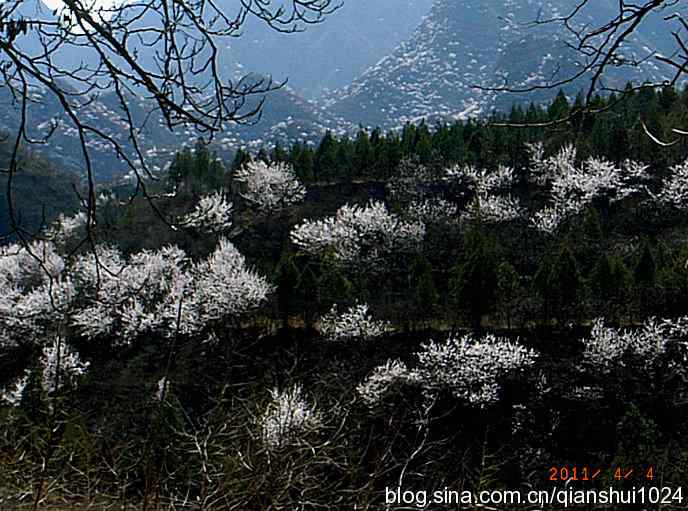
<point>457,307</point>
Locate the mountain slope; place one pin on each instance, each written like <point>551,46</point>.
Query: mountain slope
<point>462,44</point>
<point>331,54</point>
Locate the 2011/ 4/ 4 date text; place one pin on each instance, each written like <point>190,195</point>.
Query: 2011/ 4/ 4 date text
<point>587,473</point>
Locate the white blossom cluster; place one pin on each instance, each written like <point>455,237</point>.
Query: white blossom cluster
<point>359,235</point>
<point>488,203</point>
<point>413,189</point>
<point>467,368</point>
<point>288,416</point>
<point>355,323</point>
<point>35,291</point>
<point>432,211</point>
<point>482,180</point>
<point>212,214</point>
<point>384,379</point>
<point>103,294</point>
<point>675,189</point>
<point>159,291</point>
<point>13,394</point>
<point>493,208</point>
<point>59,366</point>
<point>124,299</point>
<point>270,186</point>
<point>411,182</point>
<point>574,185</point>
<point>606,347</point>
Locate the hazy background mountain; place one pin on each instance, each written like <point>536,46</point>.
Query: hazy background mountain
<point>331,54</point>
<point>365,64</point>
<point>462,44</point>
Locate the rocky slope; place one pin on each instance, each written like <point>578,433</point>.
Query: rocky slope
<point>493,43</point>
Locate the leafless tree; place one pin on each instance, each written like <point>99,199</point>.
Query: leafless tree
<point>164,54</point>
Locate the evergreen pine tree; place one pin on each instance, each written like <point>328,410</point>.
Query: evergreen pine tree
<point>473,279</point>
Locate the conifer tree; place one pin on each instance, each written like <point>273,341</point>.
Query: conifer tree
<point>565,283</point>
<point>507,289</point>
<point>287,283</point>
<point>241,158</point>
<point>473,279</point>
<point>425,296</point>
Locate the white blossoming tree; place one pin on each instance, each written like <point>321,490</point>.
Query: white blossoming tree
<point>270,187</point>
<point>161,292</point>
<point>362,237</point>
<point>470,369</point>
<point>489,202</point>
<point>212,214</point>
<point>674,191</point>
<point>467,368</point>
<point>59,366</point>
<point>573,185</point>
<point>354,324</point>
<point>36,293</point>
<point>287,418</point>
<point>385,380</point>
<point>413,191</point>
<point>607,348</point>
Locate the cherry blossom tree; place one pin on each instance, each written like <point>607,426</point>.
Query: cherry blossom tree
<point>161,292</point>
<point>356,323</point>
<point>393,376</point>
<point>359,236</point>
<point>270,187</point>
<point>212,214</point>
<point>287,417</point>
<point>470,369</point>
<point>59,365</point>
<point>573,185</point>
<point>413,191</point>
<point>35,292</point>
<point>606,348</point>
<point>467,368</point>
<point>489,202</point>
<point>674,190</point>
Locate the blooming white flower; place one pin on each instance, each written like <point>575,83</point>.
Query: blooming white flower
<point>493,208</point>
<point>34,291</point>
<point>470,369</point>
<point>212,214</point>
<point>487,203</point>
<point>160,291</point>
<point>287,417</point>
<point>573,185</point>
<point>223,286</point>
<point>270,186</point>
<point>483,180</point>
<point>393,374</point>
<point>675,189</point>
<point>66,227</point>
<point>359,236</point>
<point>606,347</point>
<point>467,368</point>
<point>60,365</point>
<point>432,211</point>
<point>355,323</point>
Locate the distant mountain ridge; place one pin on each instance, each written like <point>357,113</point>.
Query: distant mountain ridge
<point>461,44</point>
<point>430,75</point>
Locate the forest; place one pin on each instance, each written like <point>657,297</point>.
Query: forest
<point>473,306</point>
